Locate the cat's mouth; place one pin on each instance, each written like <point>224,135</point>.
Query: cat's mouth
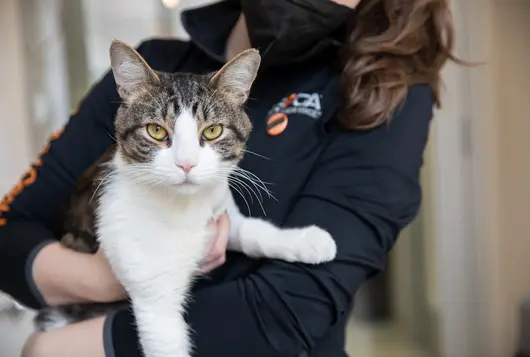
<point>186,187</point>
<point>187,183</point>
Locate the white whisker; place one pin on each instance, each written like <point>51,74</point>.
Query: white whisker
<point>258,155</point>
<point>99,185</point>
<point>233,185</point>
<point>247,187</point>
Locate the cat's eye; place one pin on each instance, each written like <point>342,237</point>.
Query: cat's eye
<point>157,132</point>
<point>212,132</point>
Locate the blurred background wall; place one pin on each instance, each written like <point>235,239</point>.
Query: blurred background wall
<point>510,50</point>
<point>15,152</point>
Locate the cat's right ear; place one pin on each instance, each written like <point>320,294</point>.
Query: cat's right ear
<point>130,70</point>
<point>236,77</point>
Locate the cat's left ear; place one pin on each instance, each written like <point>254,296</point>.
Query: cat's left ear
<point>130,70</point>
<point>236,77</point>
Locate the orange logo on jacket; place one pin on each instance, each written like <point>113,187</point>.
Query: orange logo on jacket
<point>277,124</point>
<point>307,104</point>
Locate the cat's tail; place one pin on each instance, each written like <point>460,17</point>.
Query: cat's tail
<point>52,318</point>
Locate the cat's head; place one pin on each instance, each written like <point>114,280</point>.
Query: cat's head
<point>182,131</point>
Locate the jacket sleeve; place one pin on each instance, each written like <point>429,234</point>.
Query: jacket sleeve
<point>364,191</point>
<point>30,213</point>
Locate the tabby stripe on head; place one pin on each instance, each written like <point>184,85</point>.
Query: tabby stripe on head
<point>176,107</point>
<point>231,157</point>
<point>125,135</point>
<point>164,111</point>
<point>143,149</point>
<point>194,108</point>
<point>170,92</point>
<point>239,135</point>
<point>140,150</point>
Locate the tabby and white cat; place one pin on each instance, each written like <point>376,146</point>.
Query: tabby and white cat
<point>179,139</point>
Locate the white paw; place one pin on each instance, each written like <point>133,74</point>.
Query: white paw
<point>311,245</point>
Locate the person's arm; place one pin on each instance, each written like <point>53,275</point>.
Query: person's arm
<point>365,190</point>
<point>32,210</point>
<point>79,340</point>
<point>34,269</point>
<point>63,276</point>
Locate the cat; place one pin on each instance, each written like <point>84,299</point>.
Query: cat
<point>179,139</point>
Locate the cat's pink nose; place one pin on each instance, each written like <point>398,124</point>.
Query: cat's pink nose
<point>186,167</point>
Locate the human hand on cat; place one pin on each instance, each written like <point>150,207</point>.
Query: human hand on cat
<point>217,253</point>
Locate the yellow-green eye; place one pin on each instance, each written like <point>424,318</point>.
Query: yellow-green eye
<point>212,132</point>
<point>157,132</point>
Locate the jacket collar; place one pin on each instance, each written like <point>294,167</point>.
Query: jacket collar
<point>209,27</point>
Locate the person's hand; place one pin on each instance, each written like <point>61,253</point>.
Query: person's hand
<point>217,253</point>
<point>82,339</point>
<point>63,276</point>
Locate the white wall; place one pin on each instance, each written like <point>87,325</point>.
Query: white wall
<point>46,68</point>
<point>128,21</point>
<point>15,153</point>
<point>512,93</point>
<point>483,193</point>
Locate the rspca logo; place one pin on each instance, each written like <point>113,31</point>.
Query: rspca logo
<point>299,103</point>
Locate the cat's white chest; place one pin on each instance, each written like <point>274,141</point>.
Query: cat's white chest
<point>148,233</point>
<point>150,214</point>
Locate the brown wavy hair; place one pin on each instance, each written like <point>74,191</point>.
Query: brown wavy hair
<point>391,45</point>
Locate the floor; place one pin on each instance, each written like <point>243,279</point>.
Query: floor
<point>382,340</point>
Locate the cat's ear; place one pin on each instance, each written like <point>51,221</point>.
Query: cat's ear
<point>130,70</point>
<point>236,77</point>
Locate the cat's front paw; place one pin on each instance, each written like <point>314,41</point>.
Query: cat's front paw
<point>316,246</point>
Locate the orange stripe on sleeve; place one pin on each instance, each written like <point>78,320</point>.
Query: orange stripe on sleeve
<point>4,207</point>
<point>27,179</point>
<point>16,190</point>
<point>56,134</point>
<point>30,177</point>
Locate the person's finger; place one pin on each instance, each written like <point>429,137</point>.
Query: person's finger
<point>212,225</point>
<point>217,253</point>
<point>223,228</point>
<point>213,231</point>
<point>211,265</point>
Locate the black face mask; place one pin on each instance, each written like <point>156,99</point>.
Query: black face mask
<point>286,30</point>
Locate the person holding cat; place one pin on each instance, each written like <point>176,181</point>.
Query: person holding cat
<point>340,110</point>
